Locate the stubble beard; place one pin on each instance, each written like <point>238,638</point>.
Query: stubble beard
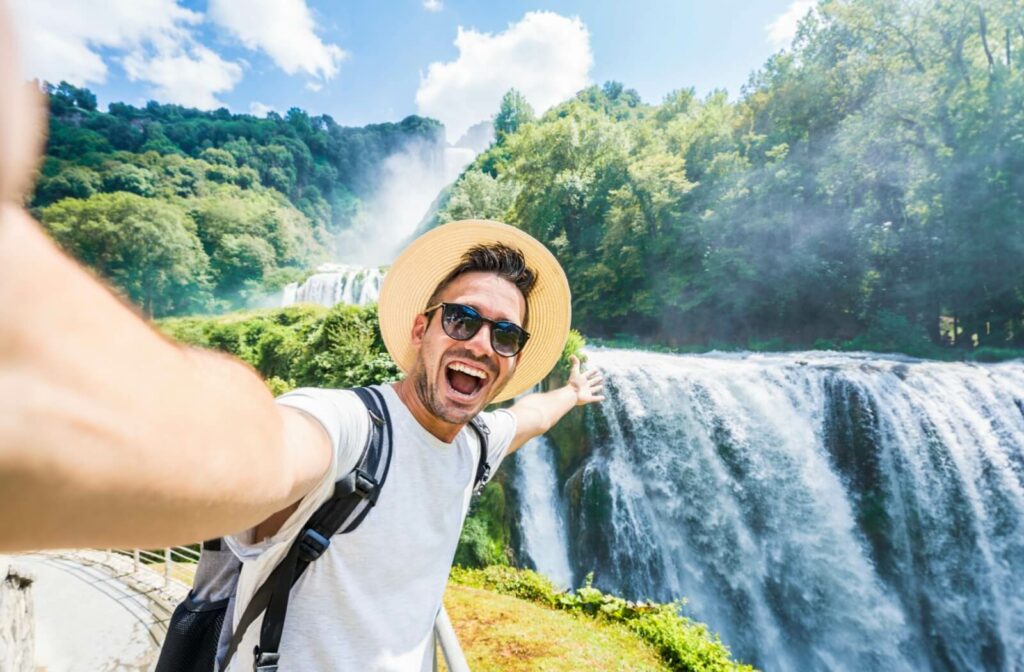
<point>430,397</point>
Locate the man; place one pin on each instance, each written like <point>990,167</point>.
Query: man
<point>451,319</point>
<point>112,436</point>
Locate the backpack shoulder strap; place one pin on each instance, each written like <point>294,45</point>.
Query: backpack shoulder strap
<point>354,495</point>
<point>483,467</point>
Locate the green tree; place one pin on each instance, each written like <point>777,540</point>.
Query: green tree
<point>128,177</point>
<point>513,113</point>
<point>146,248</point>
<point>478,195</point>
<point>70,182</point>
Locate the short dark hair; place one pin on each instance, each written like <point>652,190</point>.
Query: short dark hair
<point>504,261</point>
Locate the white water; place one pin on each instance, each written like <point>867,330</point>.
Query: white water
<point>411,180</point>
<point>542,513</point>
<point>334,284</point>
<point>820,511</point>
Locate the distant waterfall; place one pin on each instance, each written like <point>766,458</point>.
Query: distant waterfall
<point>820,511</point>
<point>542,512</point>
<point>333,284</point>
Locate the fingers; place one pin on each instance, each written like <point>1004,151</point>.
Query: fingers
<point>592,385</point>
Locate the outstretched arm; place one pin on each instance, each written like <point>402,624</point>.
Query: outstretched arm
<point>111,435</point>
<point>537,413</point>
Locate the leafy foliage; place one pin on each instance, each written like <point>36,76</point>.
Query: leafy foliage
<point>265,195</point>
<point>865,188</point>
<point>299,346</point>
<point>147,248</point>
<point>682,643</point>
<point>484,539</point>
<point>513,113</point>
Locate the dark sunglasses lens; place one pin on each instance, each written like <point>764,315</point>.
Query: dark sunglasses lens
<point>506,338</point>
<point>461,322</point>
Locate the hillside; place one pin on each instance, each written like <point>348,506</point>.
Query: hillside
<point>509,619</point>
<point>499,633</point>
<point>187,211</point>
<point>864,190</point>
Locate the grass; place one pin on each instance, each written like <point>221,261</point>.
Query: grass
<point>500,632</point>
<point>509,634</point>
<point>683,645</point>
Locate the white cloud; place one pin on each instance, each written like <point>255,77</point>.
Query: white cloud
<point>284,30</point>
<point>61,39</point>
<point>259,109</point>
<point>187,76</point>
<point>782,30</point>
<point>433,5</point>
<point>545,55</point>
<point>314,86</point>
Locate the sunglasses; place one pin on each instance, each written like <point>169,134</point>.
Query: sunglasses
<point>462,322</point>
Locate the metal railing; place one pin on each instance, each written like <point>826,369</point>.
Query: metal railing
<point>177,564</point>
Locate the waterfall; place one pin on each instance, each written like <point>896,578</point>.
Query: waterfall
<point>542,517</point>
<point>820,511</point>
<point>335,283</point>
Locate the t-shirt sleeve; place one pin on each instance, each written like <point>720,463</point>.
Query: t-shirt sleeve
<point>346,422</point>
<point>502,426</point>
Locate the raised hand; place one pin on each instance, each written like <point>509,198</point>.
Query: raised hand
<point>589,385</point>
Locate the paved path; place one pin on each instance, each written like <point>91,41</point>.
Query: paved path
<point>95,613</point>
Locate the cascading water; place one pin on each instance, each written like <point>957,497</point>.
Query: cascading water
<point>542,514</point>
<point>820,511</point>
<point>333,284</point>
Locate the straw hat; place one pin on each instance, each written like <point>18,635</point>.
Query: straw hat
<point>429,259</point>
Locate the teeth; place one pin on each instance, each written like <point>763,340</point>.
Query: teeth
<point>476,373</point>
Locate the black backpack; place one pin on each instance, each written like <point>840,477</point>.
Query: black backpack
<point>196,637</point>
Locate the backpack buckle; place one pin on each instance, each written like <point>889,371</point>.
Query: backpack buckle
<point>485,475</point>
<point>265,662</point>
<point>366,486</point>
<point>311,547</point>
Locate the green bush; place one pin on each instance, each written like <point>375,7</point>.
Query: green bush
<point>987,353</point>
<point>574,345</point>
<point>476,547</point>
<point>684,644</point>
<point>298,346</point>
<point>484,539</point>
<point>890,332</point>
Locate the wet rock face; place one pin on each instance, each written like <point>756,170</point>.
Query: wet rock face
<point>17,620</point>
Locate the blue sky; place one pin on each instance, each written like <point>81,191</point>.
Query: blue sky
<point>364,62</point>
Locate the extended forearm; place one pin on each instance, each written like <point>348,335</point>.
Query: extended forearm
<point>110,434</point>
<point>551,406</point>
<point>537,413</point>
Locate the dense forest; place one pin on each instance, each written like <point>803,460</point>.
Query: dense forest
<point>866,190</point>
<point>189,211</point>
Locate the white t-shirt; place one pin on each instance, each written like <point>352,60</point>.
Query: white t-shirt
<point>369,602</point>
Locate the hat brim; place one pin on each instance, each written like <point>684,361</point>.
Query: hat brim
<point>428,260</point>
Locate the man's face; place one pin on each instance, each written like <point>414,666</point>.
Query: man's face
<point>455,379</point>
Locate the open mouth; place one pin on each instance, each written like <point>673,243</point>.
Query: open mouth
<point>464,380</point>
